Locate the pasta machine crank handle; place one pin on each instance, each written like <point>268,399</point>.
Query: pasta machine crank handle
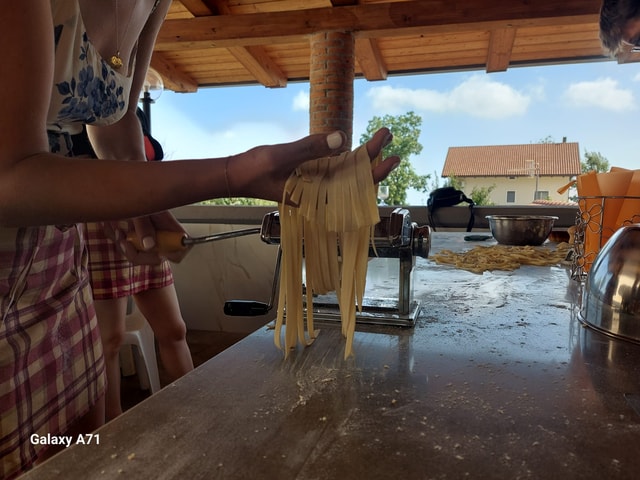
<point>252,308</point>
<point>171,241</point>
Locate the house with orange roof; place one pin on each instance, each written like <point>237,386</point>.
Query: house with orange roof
<point>519,174</point>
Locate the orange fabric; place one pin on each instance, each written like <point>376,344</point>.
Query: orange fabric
<point>149,151</point>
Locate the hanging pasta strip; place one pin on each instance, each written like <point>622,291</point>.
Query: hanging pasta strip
<point>282,294</point>
<point>347,307</point>
<point>335,215</point>
<point>290,277</point>
<point>362,262</point>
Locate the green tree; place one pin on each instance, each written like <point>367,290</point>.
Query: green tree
<point>594,161</point>
<point>406,130</point>
<point>482,195</point>
<point>434,182</point>
<point>479,195</point>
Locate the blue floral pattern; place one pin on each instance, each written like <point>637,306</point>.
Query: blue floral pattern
<point>92,95</point>
<point>60,142</point>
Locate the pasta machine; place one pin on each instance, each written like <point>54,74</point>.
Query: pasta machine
<point>395,237</point>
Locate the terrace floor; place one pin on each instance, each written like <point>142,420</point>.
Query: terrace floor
<point>203,345</point>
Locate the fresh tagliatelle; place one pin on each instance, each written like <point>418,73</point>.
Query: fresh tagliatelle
<point>327,217</point>
<point>502,257</point>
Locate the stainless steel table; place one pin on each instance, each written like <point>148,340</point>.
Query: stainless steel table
<point>498,379</point>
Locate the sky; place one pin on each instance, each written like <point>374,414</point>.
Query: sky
<point>595,104</point>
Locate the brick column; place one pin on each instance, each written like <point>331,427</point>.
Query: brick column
<point>331,83</point>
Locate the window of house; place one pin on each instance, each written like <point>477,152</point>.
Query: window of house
<point>542,195</point>
<point>511,196</point>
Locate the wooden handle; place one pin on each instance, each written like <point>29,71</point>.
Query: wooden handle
<point>166,241</point>
<point>566,187</point>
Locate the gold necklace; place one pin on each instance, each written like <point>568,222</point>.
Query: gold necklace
<point>116,59</point>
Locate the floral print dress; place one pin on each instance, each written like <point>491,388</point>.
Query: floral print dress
<point>51,364</point>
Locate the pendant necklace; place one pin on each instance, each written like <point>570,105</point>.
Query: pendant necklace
<point>116,59</point>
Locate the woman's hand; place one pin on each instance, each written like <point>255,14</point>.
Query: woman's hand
<point>144,229</point>
<point>263,171</point>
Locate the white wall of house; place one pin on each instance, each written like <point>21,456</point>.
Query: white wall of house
<point>522,188</point>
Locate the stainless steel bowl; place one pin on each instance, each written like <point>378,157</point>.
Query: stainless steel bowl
<point>521,229</point>
<point>611,298</point>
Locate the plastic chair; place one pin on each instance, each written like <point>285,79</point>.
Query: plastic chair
<point>138,333</point>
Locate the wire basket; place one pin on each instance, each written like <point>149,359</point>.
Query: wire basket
<point>595,224</point>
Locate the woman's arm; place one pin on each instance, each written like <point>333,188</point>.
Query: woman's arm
<point>40,188</point>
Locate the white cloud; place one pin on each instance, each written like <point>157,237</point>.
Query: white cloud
<point>183,138</point>
<point>538,91</point>
<point>478,96</point>
<point>301,102</point>
<point>603,93</point>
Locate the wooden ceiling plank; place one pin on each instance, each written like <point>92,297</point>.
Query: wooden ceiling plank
<point>378,19</point>
<point>178,10</point>
<point>260,65</point>
<point>526,38</point>
<point>174,79</point>
<point>370,59</point>
<point>262,6</point>
<point>500,48</point>
<point>587,47</point>
<point>255,59</point>
<point>199,8</point>
<point>447,42</point>
<point>246,41</point>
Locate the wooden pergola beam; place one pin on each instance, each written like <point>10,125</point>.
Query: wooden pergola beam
<point>370,59</point>
<point>372,21</point>
<point>500,47</point>
<point>174,78</point>
<point>260,65</point>
<point>253,58</point>
<point>200,8</point>
<point>256,60</point>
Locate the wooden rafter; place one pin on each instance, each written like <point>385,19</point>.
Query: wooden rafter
<point>174,78</point>
<point>371,21</point>
<point>227,42</point>
<point>257,62</point>
<point>200,8</point>
<point>500,47</point>
<point>368,54</point>
<point>254,58</point>
<point>369,57</point>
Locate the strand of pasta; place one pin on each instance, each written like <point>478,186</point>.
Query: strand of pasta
<point>502,257</point>
<point>327,233</point>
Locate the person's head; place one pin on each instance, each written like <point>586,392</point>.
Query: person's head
<point>619,24</point>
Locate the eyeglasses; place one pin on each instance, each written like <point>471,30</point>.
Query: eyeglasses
<point>633,46</point>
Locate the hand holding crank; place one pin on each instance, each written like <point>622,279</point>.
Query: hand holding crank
<point>150,239</point>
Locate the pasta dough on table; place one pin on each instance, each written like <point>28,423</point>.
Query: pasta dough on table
<point>502,257</point>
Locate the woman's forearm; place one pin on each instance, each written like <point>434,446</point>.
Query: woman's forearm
<point>47,189</point>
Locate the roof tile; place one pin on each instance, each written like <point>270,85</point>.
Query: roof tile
<point>552,159</point>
